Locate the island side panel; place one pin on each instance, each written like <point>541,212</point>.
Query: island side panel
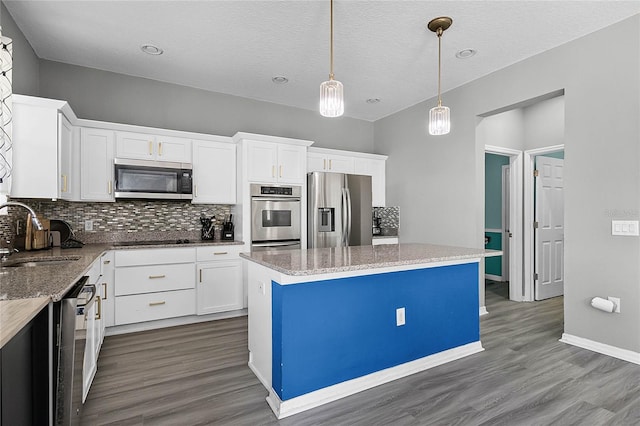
<point>327,332</point>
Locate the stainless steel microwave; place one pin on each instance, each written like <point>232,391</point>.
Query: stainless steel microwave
<point>162,180</point>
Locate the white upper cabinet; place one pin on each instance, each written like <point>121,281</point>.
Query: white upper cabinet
<point>272,162</point>
<point>359,163</point>
<point>68,167</point>
<point>38,127</point>
<point>96,165</point>
<point>142,146</point>
<point>214,172</point>
<point>321,162</point>
<point>376,168</point>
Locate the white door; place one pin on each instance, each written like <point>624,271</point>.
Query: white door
<point>292,164</point>
<point>96,165</point>
<point>506,220</point>
<point>214,173</point>
<point>261,161</point>
<point>173,149</point>
<point>549,233</point>
<point>219,287</point>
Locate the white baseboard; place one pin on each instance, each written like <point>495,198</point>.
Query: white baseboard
<point>171,322</point>
<point>322,396</point>
<point>483,310</point>
<point>260,377</point>
<point>493,277</point>
<point>602,348</point>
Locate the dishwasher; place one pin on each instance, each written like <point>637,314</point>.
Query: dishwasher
<point>71,336</point>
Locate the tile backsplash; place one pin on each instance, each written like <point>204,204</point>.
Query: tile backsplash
<point>389,219</point>
<point>146,217</point>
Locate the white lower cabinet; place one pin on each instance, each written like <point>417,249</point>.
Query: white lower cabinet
<point>219,287</point>
<point>154,284</point>
<point>154,306</point>
<point>94,328</point>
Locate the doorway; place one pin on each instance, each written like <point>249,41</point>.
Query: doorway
<point>503,217</point>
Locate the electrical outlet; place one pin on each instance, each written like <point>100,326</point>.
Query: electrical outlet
<point>400,318</point>
<point>616,301</point>
<point>88,225</point>
<point>261,288</point>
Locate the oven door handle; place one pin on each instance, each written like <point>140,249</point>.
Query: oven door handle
<point>272,198</point>
<point>277,244</point>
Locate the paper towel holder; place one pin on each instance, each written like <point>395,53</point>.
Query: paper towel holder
<point>602,304</point>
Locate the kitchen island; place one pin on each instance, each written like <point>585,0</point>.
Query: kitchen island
<point>328,323</point>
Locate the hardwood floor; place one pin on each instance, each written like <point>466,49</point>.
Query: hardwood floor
<point>198,375</point>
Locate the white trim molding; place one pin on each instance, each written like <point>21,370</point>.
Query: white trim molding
<point>492,277</point>
<point>322,396</point>
<point>483,310</point>
<point>601,348</point>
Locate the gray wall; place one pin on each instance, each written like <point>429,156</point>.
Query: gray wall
<point>544,123</point>
<point>107,96</point>
<point>25,62</point>
<point>438,182</point>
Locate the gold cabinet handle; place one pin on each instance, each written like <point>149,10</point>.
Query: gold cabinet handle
<point>329,164</point>
<point>157,303</point>
<point>99,311</point>
<point>150,147</point>
<point>273,171</point>
<point>104,288</point>
<point>109,187</point>
<point>200,275</point>
<point>160,149</point>
<point>153,277</point>
<point>324,164</point>
<point>218,253</point>
<point>64,183</point>
<point>280,171</point>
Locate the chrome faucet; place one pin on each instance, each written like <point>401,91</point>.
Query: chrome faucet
<point>34,218</point>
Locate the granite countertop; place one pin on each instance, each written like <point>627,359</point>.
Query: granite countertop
<point>344,259</point>
<point>25,290</point>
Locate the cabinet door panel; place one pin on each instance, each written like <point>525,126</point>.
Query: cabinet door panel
<point>173,149</point>
<point>138,146</point>
<point>219,287</point>
<point>65,138</point>
<point>316,162</point>
<point>292,163</point>
<point>214,173</point>
<point>154,306</point>
<point>96,165</point>
<point>262,161</point>
<point>339,164</point>
<point>148,279</point>
<point>35,152</point>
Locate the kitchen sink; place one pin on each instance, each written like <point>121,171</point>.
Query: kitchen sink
<point>39,261</point>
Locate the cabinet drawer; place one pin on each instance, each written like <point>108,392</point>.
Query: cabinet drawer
<point>156,256</point>
<point>154,306</point>
<point>208,253</point>
<point>148,279</point>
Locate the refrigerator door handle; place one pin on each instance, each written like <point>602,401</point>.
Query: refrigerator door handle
<point>347,236</point>
<point>344,217</point>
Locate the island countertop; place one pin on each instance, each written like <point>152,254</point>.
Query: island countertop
<point>354,258</point>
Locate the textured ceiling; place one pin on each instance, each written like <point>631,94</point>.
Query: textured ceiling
<point>382,48</point>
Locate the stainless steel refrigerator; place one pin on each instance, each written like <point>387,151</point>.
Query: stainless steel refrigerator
<point>339,210</point>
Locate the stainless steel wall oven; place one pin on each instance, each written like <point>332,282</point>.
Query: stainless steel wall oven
<point>275,217</point>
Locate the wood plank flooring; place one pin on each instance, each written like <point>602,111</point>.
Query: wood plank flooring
<point>198,375</point>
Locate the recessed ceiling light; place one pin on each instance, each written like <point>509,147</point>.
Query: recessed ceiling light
<point>466,53</point>
<point>373,100</point>
<point>280,79</point>
<point>150,49</point>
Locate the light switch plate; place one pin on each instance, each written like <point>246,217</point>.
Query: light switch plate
<point>400,318</point>
<point>628,228</point>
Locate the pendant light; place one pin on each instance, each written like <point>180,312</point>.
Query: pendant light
<point>331,93</point>
<point>439,116</point>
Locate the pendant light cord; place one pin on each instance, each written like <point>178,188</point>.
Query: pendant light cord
<point>331,48</point>
<point>439,32</point>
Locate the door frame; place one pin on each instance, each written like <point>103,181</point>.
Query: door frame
<point>516,292</point>
<point>506,219</point>
<point>529,215</point>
